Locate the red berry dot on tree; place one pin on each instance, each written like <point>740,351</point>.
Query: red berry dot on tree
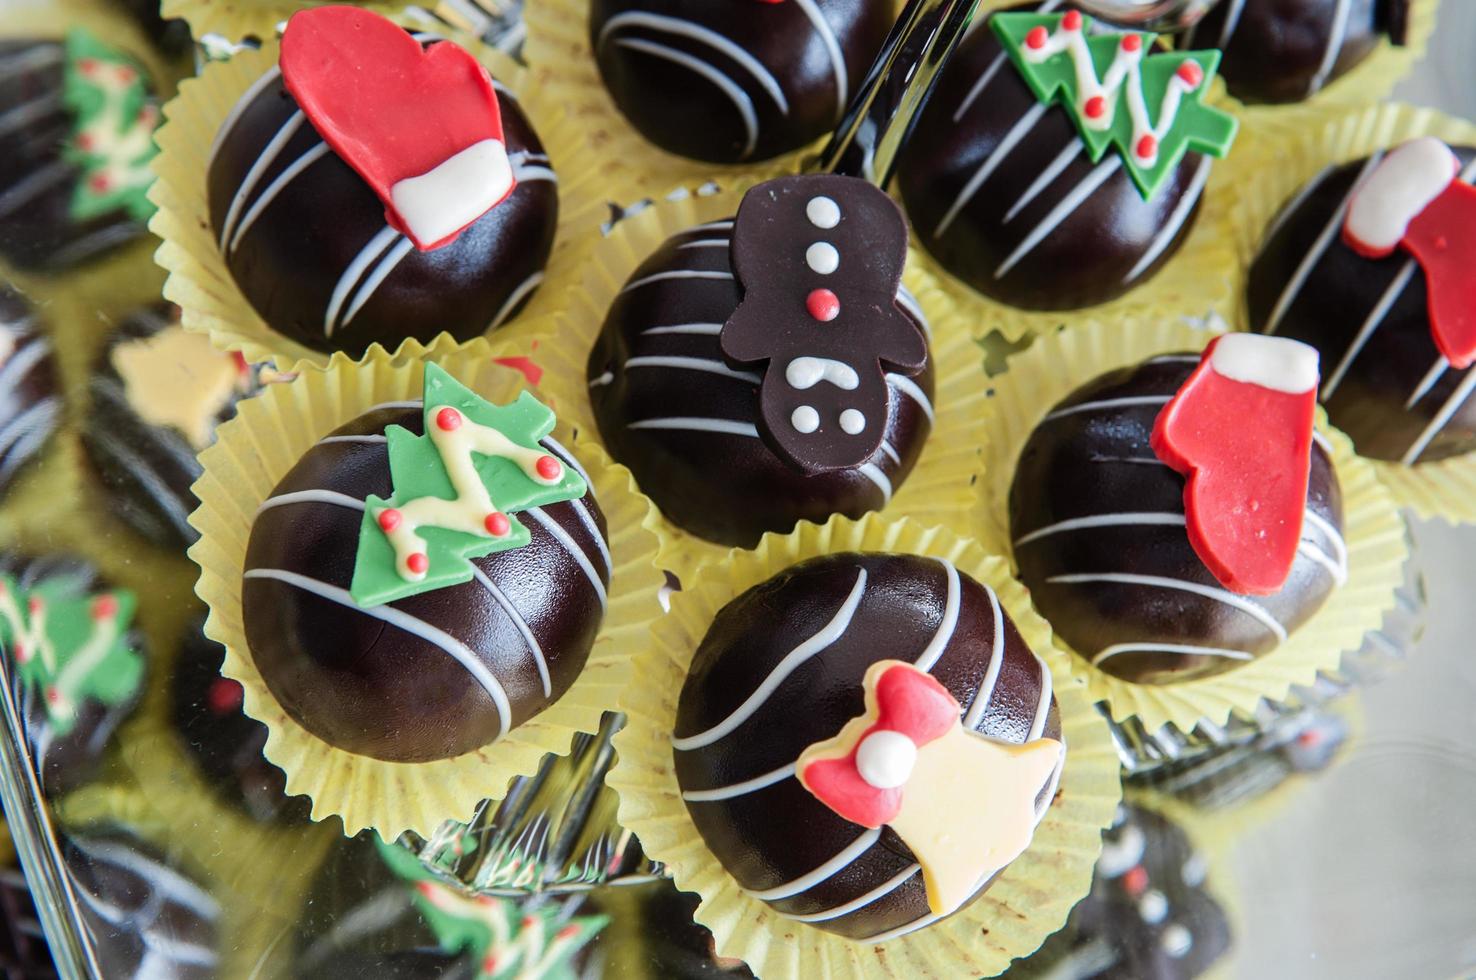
<point>448,419</point>
<point>1095,107</point>
<point>224,696</point>
<point>1190,74</point>
<point>489,965</point>
<point>497,524</point>
<point>823,305</point>
<point>528,922</point>
<point>1036,39</point>
<point>87,67</point>
<point>548,467</point>
<point>389,519</point>
<point>125,74</point>
<point>34,605</point>
<point>1147,147</point>
<point>53,695</point>
<point>84,141</point>
<point>104,607</point>
<point>22,653</point>
<point>568,932</point>
<point>1072,20</point>
<point>1132,42</point>
<point>417,563</point>
<point>100,183</point>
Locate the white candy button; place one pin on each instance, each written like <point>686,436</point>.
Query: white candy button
<point>822,257</point>
<point>852,421</point>
<point>885,759</point>
<point>823,212</point>
<point>805,419</point>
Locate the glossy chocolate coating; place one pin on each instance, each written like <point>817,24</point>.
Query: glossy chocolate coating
<point>146,917</point>
<point>37,230</point>
<point>375,689</point>
<point>1279,50</point>
<point>1097,461</point>
<point>226,744</point>
<point>726,487</point>
<point>30,402</point>
<point>68,761</point>
<point>1148,916</point>
<point>671,67</point>
<point>1334,301</point>
<point>147,469</point>
<point>300,251</point>
<point>1100,246</point>
<point>773,835</point>
<point>24,952</point>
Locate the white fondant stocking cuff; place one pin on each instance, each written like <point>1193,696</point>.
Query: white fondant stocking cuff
<point>1278,363</point>
<point>1400,187</point>
<point>439,203</point>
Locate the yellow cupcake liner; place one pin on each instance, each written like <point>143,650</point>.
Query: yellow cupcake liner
<point>1026,903</point>
<point>939,488</point>
<point>201,283</point>
<point>253,452</point>
<point>1058,363</point>
<point>1292,153</point>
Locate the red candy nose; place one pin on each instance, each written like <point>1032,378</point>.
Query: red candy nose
<point>1247,484</point>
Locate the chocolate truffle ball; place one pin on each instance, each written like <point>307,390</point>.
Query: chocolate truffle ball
<point>1384,382</point>
<point>1001,191</point>
<point>58,210</point>
<point>729,83</point>
<point>306,240</point>
<point>1289,50</point>
<point>765,828</point>
<point>157,394</point>
<point>671,409</point>
<point>222,740</point>
<point>1148,916</point>
<point>394,681</point>
<point>145,916</point>
<point>30,402</point>
<point>68,753</point>
<point>1099,538</point>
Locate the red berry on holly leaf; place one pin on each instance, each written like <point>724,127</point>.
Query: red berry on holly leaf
<point>34,605</point>
<point>1132,42</point>
<point>104,607</point>
<point>22,653</point>
<point>389,520</point>
<point>1072,20</point>
<point>1036,39</point>
<point>84,141</point>
<point>87,67</point>
<point>100,183</point>
<point>497,525</point>
<point>53,695</point>
<point>1147,148</point>
<point>549,468</point>
<point>448,419</point>
<point>418,563</point>
<point>1095,108</point>
<point>1190,74</point>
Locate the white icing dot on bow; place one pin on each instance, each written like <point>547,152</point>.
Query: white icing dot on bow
<point>885,759</point>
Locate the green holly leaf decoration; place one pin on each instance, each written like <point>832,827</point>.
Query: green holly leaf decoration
<point>114,120</point>
<point>70,649</point>
<point>1119,95</point>
<point>503,939</point>
<point>457,491</point>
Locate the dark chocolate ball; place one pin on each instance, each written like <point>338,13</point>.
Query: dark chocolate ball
<point>40,227</point>
<point>1001,191</point>
<point>30,402</point>
<point>1148,916</point>
<point>388,682</point>
<point>306,240</point>
<point>774,831</point>
<point>735,82</point>
<point>66,761</point>
<point>226,744</point>
<point>670,408</point>
<point>145,916</point>
<point>157,394</point>
<point>1288,50</point>
<point>1099,538</point>
<point>1383,380</point>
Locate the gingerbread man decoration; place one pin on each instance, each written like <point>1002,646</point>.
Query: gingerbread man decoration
<point>820,260</point>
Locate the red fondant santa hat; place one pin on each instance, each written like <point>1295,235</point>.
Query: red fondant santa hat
<point>1240,430</point>
<point>1415,199</point>
<point>421,126</point>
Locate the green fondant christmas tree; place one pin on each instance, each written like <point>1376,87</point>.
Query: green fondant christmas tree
<point>70,649</point>
<point>113,136</point>
<point>503,939</point>
<point>457,489</point>
<point>1147,106</point>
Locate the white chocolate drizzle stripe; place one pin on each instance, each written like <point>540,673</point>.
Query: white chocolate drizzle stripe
<point>19,364</point>
<point>1335,35</point>
<point>1234,601</point>
<point>353,272</point>
<point>1187,648</point>
<point>1333,536</point>
<point>444,641</point>
<point>1436,372</point>
<point>1073,149</point>
<point>702,35</point>
<point>739,789</point>
<point>1088,186</point>
<point>873,473</point>
<point>1043,706</point>
<point>692,364</point>
<point>698,329</point>
<point>832,48</point>
<point>1108,403</point>
<point>726,85</point>
<point>275,188</point>
<point>499,597</point>
<point>1339,573</point>
<point>1175,222</point>
<point>677,274</point>
<point>164,880</point>
<point>1314,254</point>
<point>911,389</point>
<point>262,164</point>
<point>691,424</point>
<point>943,635</point>
<point>373,440</point>
<point>242,104</point>
<point>826,871</point>
<point>576,552</point>
<point>25,433</point>
<point>1452,404</point>
<point>1290,208</point>
<point>1001,150</point>
<point>827,635</point>
<point>880,891</point>
<point>1369,325</point>
<point>517,296</point>
<point>371,285</point>
<point>1134,519</point>
<point>991,674</point>
<point>330,497</point>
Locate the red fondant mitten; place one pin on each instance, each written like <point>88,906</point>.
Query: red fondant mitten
<point>1240,430</point>
<point>421,126</point>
